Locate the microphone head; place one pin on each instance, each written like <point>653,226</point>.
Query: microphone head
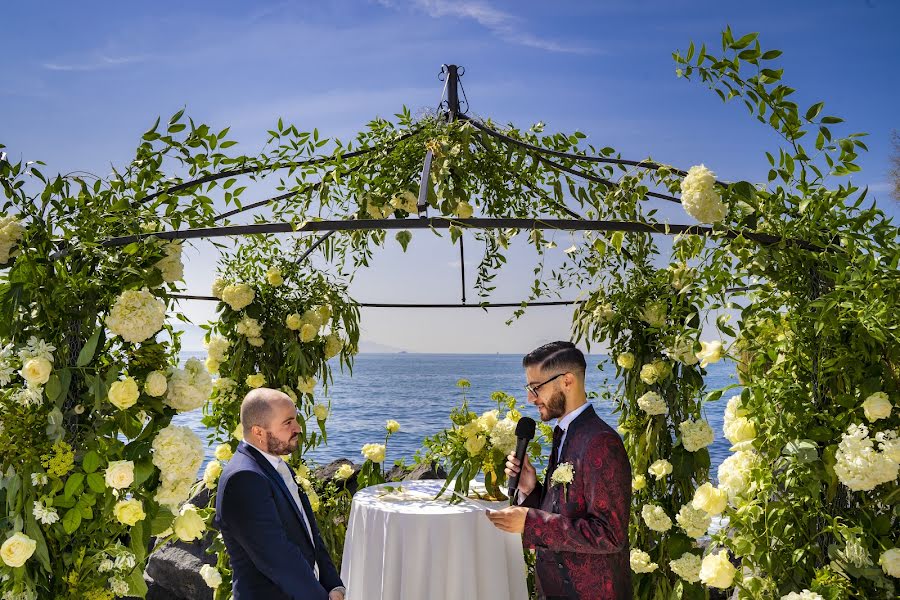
<point>525,428</point>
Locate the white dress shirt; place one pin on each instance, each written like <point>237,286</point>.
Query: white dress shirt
<point>564,422</point>
<point>282,468</point>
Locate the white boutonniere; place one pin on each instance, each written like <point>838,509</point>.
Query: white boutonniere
<point>563,475</point>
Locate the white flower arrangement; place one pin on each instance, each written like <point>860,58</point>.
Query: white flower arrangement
<point>859,466</point>
<point>652,404</point>
<point>188,388</point>
<point>136,316</point>
<point>699,196</point>
<point>696,434</point>
<point>640,562</point>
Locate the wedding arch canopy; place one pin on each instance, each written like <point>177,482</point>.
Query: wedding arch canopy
<point>93,468</point>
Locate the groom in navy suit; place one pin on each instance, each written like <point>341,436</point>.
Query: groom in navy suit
<point>266,520</point>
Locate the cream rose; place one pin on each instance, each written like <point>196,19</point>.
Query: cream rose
<point>710,352</point>
<point>333,345</point>
<point>638,483</point>
<point>274,277</point>
<point>124,394</point>
<point>211,473</point>
<point>293,322</point>
<point>156,384</point>
<point>189,525</point>
<point>717,571</point>
<point>306,385</point>
<point>211,576</point>
<point>120,474</point>
<point>256,380</point>
<point>343,472</point>
<point>710,499</point>
<point>890,562</point>
<point>392,426</point>
<point>129,512</point>
<point>36,371</point>
<point>308,332</point>
<point>223,452</point>
<point>877,406</point>
<point>475,444</point>
<point>660,468</point>
<point>320,411</point>
<point>374,452</point>
<point>625,360</point>
<point>17,549</point>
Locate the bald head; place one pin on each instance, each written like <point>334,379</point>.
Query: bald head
<point>260,406</point>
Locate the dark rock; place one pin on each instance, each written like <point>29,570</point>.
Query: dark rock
<point>397,473</point>
<point>176,568</point>
<point>426,471</point>
<point>327,472</point>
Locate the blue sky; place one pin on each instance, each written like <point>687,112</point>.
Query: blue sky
<point>82,81</point>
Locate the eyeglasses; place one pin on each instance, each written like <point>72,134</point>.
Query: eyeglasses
<point>532,389</point>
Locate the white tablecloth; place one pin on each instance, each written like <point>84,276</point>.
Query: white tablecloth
<point>407,546</point>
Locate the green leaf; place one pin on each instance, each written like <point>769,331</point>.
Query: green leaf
<point>744,41</point>
<point>40,549</point>
<point>142,471</point>
<point>71,520</point>
<point>74,484</point>
<point>162,521</point>
<point>831,120</point>
<point>53,387</point>
<point>91,462</point>
<point>814,111</point>
<point>96,482</point>
<point>616,240</point>
<point>87,352</point>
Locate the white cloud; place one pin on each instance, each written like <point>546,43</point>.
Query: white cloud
<point>503,25</point>
<point>96,62</point>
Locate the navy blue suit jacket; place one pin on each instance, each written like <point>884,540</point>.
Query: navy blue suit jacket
<point>271,554</point>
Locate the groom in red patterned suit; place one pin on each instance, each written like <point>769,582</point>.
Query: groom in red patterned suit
<point>577,519</point>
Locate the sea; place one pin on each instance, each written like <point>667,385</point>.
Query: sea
<point>419,390</point>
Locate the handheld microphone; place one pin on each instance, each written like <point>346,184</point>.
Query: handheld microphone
<point>524,434</point>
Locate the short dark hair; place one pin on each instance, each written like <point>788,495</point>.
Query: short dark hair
<point>555,356</point>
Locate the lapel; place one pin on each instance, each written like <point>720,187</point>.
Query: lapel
<point>276,478</point>
<point>587,414</point>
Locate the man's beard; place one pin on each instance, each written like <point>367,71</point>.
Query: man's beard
<point>556,406</point>
<point>277,447</point>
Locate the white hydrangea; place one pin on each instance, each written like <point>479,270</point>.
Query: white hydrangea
<point>804,595</point>
<point>699,196</point>
<point>652,404</point>
<point>694,522</point>
<point>889,444</point>
<point>503,435</point>
<point>687,567</point>
<point>217,348</point>
<point>136,316</point>
<point>118,586</point>
<point>189,388</point>
<point>735,473</point>
<point>488,420</point>
<point>11,231</point>
<point>178,454</point>
<point>656,518</point>
<point>859,466</point>
<point>218,287</point>
<point>654,313</point>
<point>640,562</point>
<point>249,327</point>
<point>696,435</point>
<point>238,295</point>
<point>170,265</point>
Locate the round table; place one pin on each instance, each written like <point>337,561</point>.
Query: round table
<point>404,545</point>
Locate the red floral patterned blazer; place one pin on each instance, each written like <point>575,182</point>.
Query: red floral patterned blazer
<point>581,534</point>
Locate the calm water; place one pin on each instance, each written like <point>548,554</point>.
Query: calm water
<point>418,390</point>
